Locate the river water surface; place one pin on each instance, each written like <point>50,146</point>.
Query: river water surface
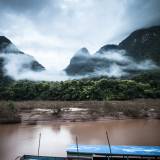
<point>19,139</point>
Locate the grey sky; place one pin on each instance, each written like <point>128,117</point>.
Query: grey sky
<point>53,30</point>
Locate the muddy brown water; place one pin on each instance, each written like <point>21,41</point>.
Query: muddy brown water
<point>19,139</point>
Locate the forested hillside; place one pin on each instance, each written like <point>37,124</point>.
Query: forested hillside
<point>131,70</point>
<point>146,85</point>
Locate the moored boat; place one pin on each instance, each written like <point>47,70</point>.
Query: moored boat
<point>98,152</point>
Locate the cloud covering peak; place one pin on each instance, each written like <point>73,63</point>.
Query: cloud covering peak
<point>53,30</point>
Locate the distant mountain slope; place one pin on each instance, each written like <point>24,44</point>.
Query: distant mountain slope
<point>138,52</point>
<point>143,44</point>
<point>83,63</point>
<point>9,53</point>
<point>79,63</point>
<point>6,46</point>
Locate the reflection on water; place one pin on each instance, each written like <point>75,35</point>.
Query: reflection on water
<point>19,139</point>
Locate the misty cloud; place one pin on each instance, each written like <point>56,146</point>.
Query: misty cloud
<point>118,56</point>
<point>17,66</point>
<point>53,30</point>
<point>119,64</point>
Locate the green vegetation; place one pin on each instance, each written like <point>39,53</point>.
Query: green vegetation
<point>84,89</point>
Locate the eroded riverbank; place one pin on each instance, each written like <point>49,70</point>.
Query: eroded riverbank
<point>32,112</point>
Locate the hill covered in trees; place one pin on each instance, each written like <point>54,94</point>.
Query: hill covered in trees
<point>132,69</point>
<point>146,85</point>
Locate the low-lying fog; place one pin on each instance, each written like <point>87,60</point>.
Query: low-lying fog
<point>14,67</point>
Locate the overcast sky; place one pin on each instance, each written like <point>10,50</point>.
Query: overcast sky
<point>53,30</point>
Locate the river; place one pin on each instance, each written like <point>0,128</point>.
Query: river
<point>19,139</point>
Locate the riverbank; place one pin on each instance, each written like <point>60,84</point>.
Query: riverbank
<point>32,112</point>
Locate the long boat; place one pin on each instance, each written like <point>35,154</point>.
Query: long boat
<point>100,152</point>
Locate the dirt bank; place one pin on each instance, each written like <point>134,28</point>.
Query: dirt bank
<point>32,112</point>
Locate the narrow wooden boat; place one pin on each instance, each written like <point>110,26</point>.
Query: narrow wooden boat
<point>103,152</point>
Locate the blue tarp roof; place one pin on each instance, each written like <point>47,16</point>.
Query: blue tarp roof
<point>116,150</point>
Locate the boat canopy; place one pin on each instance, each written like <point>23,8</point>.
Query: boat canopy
<point>144,151</point>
